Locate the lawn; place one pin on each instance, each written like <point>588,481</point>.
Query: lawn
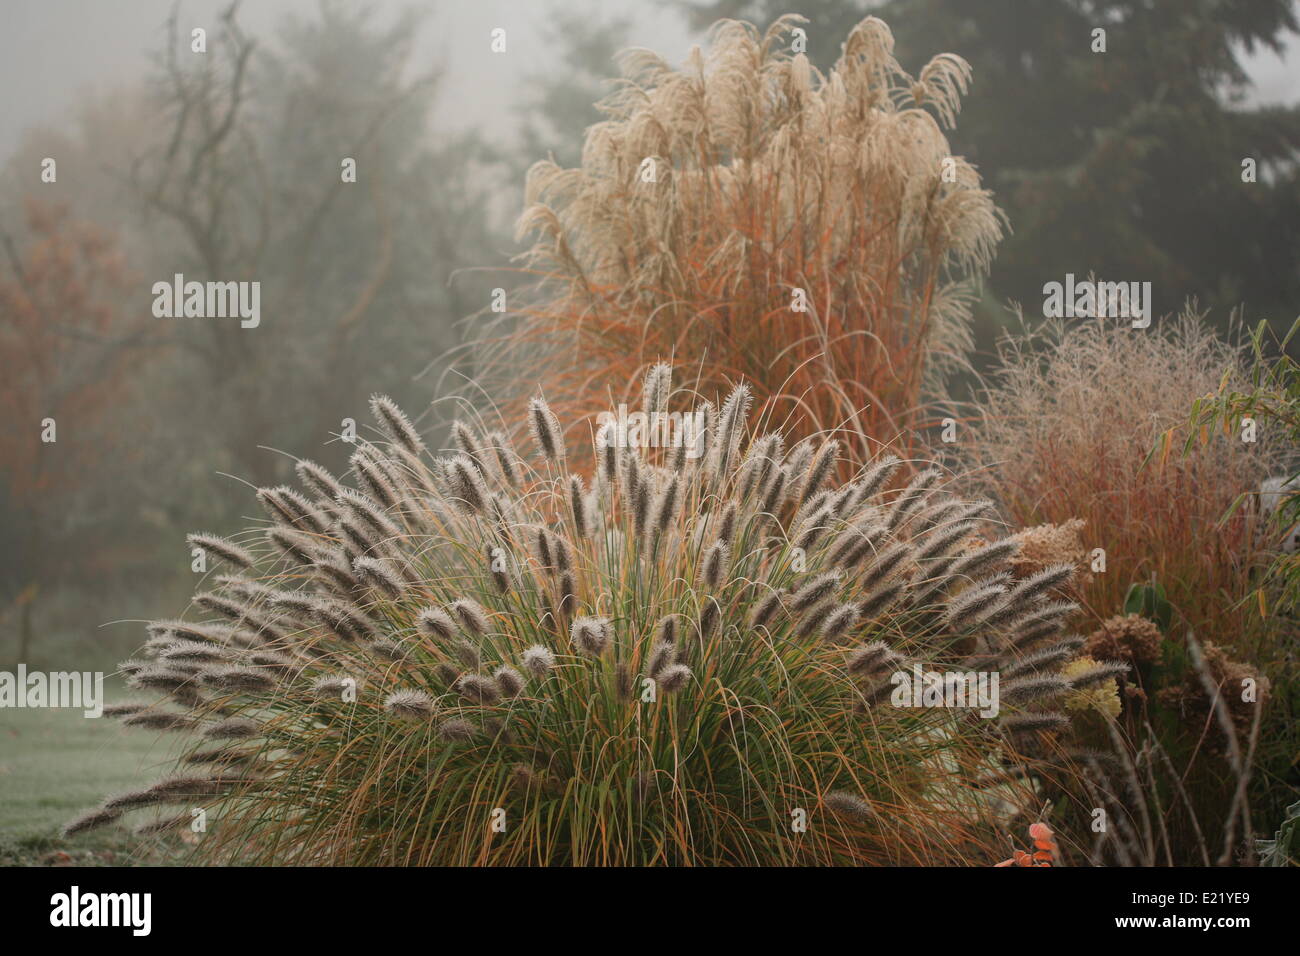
<point>55,763</point>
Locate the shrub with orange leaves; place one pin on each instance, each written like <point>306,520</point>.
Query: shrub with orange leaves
<point>64,345</point>
<point>60,303</point>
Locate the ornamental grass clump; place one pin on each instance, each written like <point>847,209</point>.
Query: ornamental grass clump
<point>1080,430</point>
<point>811,234</point>
<point>1064,435</point>
<point>482,658</point>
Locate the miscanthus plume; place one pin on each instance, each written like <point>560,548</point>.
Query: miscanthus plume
<point>813,233</point>
<point>482,658</point>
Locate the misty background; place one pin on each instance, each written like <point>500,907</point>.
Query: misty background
<point>226,166</point>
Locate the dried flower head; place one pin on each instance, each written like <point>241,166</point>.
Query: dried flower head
<point>222,548</point>
<point>1130,637</point>
<point>538,660</point>
<point>1101,695</point>
<point>848,805</point>
<point>412,704</point>
<point>546,430</point>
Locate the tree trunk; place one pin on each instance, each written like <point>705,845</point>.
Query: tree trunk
<point>25,626</point>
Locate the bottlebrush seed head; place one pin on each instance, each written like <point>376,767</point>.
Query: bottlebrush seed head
<point>546,430</point>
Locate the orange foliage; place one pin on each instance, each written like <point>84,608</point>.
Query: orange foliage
<point>63,348</point>
<point>1045,849</point>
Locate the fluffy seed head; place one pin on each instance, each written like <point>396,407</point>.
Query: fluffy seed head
<point>465,483</point>
<point>913,496</point>
<point>663,654</point>
<point>1039,585</point>
<point>578,506</point>
<point>839,622</point>
<point>713,570</point>
<point>232,728</point>
<point>774,492</point>
<point>91,820</point>
<point>222,548</point>
<point>157,678</point>
<point>330,687</point>
<point>666,629</point>
<point>124,709</point>
<point>880,599</point>
<point>607,453</point>
<point>820,468</point>
<point>538,660</point>
<point>467,441</point>
<point>872,659</point>
<point>674,677</point>
<point>410,704</point>
<point>499,565</point>
<point>815,590</point>
<point>318,479</point>
<point>379,574</point>
<point>879,472</point>
<point>294,544</point>
<point>590,635</point>
<point>467,653</point>
<point>710,617</point>
<point>284,504</point>
<point>456,730</point>
<point>477,689</point>
<point>887,563</point>
<point>985,558</point>
<point>1098,673</point>
<point>666,506</point>
<point>391,650</point>
<point>546,430</point>
<point>509,681</point>
<point>1036,687</point>
<point>507,462</point>
<point>160,720</point>
<point>395,424</point>
<point>366,511</point>
<point>766,608</point>
<point>436,623</point>
<point>849,805</point>
<point>656,389</point>
<point>1034,723</point>
<point>727,523</point>
<point>471,615</point>
<point>975,605</point>
<point>730,430</point>
<point>373,477</point>
<point>813,618</point>
<point>239,680</point>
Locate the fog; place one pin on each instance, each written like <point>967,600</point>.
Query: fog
<point>54,52</point>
